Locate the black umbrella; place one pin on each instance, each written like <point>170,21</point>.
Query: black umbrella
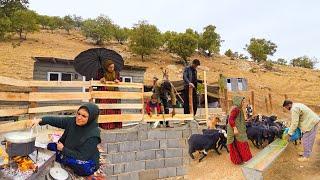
<point>89,62</point>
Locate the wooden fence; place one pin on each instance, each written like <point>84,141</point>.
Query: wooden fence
<point>33,98</point>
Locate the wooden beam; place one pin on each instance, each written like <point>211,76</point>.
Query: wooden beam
<point>119,118</point>
<point>14,126</point>
<point>120,84</point>
<point>13,82</point>
<point>116,95</point>
<point>205,96</point>
<point>190,100</point>
<point>59,84</point>
<point>52,109</point>
<point>64,96</point>
<point>253,103</point>
<point>10,96</point>
<point>12,112</point>
<point>168,117</point>
<point>120,106</point>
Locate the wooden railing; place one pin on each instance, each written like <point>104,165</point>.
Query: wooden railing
<point>55,97</point>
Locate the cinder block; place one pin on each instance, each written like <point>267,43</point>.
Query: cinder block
<point>132,136</point>
<point>146,155</point>
<point>149,174</point>
<point>176,143</point>
<point>112,177</point>
<point>155,164</point>
<point>149,144</point>
<point>156,134</point>
<point>160,153</point>
<point>135,166</point>
<point>186,160</point>
<point>120,137</point>
<point>186,133</point>
<point>109,170</point>
<point>173,134</point>
<point>167,172</point>
<point>129,176</point>
<point>185,152</point>
<point>112,147</point>
<point>173,162</point>
<point>108,137</point>
<point>129,146</point>
<point>118,168</point>
<point>163,144</point>
<point>142,135</point>
<point>174,152</point>
<point>181,171</point>
<point>123,157</point>
<point>196,131</point>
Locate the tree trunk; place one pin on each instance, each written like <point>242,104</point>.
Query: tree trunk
<point>142,57</point>
<point>20,34</point>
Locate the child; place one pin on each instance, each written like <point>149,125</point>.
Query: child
<point>153,106</point>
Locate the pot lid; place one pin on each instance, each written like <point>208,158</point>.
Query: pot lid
<point>58,173</point>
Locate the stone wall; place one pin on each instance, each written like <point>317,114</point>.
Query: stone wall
<point>144,153</point>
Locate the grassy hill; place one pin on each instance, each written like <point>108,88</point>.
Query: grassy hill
<point>298,83</point>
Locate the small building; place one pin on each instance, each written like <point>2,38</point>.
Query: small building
<point>236,84</point>
<point>57,69</point>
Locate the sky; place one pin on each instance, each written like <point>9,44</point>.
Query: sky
<point>293,25</point>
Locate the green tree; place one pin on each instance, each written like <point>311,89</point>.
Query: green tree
<point>55,22</point>
<point>167,38</point>
<point>184,45</point>
<point>281,61</point>
<point>259,49</point>
<point>68,23</point>
<point>121,34</point>
<point>99,29</point>
<point>9,7</point>
<point>44,21</point>
<point>228,53</point>
<point>144,39</point>
<point>304,61</point>
<point>210,40</point>
<point>77,20</point>
<point>5,25</point>
<point>24,21</point>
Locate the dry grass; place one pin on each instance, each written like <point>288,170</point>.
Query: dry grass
<point>300,84</point>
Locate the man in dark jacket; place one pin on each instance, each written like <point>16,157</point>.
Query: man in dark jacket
<point>191,80</point>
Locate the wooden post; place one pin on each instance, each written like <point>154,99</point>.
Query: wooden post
<point>266,101</point>
<point>270,101</point>
<point>190,100</point>
<point>206,95</point>
<point>285,97</point>
<point>33,104</point>
<point>226,103</point>
<point>252,101</point>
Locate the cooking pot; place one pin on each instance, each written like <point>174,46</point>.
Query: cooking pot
<point>19,143</point>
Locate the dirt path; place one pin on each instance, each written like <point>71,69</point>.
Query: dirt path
<point>286,167</point>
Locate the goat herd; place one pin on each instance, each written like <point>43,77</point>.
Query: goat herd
<point>260,129</point>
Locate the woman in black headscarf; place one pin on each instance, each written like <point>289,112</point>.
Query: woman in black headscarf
<point>77,148</point>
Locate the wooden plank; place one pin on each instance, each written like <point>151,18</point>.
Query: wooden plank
<point>52,109</point>
<point>10,96</point>
<point>14,126</point>
<point>33,104</point>
<point>120,84</point>
<point>13,82</point>
<point>168,117</point>
<point>116,95</point>
<point>12,112</point>
<point>59,84</point>
<point>120,118</point>
<point>120,106</point>
<point>190,100</point>
<point>44,96</point>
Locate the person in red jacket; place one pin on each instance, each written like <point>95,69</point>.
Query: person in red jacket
<point>153,106</point>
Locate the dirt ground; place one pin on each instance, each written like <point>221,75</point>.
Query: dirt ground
<point>285,167</point>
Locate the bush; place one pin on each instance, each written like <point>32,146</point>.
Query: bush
<point>304,62</point>
<point>268,65</point>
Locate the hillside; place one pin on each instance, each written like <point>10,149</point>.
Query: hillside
<point>298,83</point>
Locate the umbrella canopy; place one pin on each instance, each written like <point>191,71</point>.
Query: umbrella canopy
<point>89,62</point>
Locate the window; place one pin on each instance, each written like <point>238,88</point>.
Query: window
<point>240,85</point>
<point>59,76</point>
<point>126,79</point>
<point>229,86</point>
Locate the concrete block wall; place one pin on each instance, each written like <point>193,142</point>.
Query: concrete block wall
<point>142,153</point>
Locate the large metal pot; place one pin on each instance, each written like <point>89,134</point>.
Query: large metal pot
<point>19,143</point>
